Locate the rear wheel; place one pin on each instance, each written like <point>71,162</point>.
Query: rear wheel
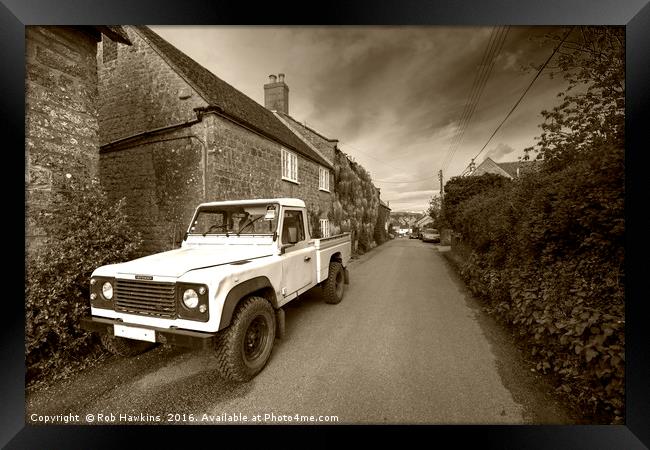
<point>124,347</point>
<point>333,288</point>
<point>244,348</point>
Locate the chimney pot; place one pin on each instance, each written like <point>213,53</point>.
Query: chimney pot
<point>281,78</point>
<point>272,78</point>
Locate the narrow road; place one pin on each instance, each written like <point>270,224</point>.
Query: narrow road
<point>406,345</point>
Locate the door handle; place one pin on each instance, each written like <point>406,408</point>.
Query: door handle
<point>307,258</point>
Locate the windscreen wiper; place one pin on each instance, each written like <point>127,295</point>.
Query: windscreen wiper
<point>248,224</point>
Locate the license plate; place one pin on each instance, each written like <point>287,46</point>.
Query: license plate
<point>140,334</point>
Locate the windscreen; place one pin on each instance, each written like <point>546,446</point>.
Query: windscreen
<point>236,219</point>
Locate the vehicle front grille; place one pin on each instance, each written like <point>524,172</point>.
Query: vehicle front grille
<point>150,298</point>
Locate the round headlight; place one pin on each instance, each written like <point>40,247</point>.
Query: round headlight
<point>190,298</point>
<point>201,290</point>
<point>107,290</point>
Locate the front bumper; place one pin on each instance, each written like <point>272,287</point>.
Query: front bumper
<point>181,338</point>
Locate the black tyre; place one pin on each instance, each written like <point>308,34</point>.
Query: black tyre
<point>124,347</point>
<point>333,288</point>
<point>244,348</point>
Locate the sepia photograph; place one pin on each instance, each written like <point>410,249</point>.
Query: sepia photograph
<point>351,225</point>
<point>317,225</point>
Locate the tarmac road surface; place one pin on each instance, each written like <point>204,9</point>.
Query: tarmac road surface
<point>406,345</point>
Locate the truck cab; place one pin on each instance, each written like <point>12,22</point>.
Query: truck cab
<point>239,263</point>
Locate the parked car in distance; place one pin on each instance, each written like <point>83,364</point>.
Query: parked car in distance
<point>430,235</point>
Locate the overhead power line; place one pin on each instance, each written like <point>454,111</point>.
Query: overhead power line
<point>476,89</point>
<point>492,50</point>
<point>539,72</point>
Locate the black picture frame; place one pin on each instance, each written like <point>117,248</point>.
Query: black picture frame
<point>634,14</point>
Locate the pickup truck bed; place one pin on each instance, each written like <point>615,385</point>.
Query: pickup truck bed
<point>326,247</point>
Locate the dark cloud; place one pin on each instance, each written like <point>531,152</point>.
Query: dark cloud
<point>498,152</point>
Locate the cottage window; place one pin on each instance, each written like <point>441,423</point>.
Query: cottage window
<point>323,179</point>
<point>325,227</point>
<point>289,166</point>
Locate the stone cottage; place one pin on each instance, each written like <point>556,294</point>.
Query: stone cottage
<point>172,135</point>
<point>61,118</point>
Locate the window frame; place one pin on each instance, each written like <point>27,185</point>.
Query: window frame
<point>286,159</point>
<point>323,179</point>
<point>323,232</point>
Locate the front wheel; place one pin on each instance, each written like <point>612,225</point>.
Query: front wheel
<point>244,348</point>
<point>333,288</point>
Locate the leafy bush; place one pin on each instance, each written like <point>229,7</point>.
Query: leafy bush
<point>547,254</point>
<point>355,203</point>
<point>85,231</point>
<point>460,189</point>
<point>546,251</point>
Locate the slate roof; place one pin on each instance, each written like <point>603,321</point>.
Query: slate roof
<point>225,98</point>
<point>507,169</point>
<point>524,167</point>
<point>303,126</point>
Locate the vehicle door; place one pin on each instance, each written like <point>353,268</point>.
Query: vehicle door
<point>299,258</point>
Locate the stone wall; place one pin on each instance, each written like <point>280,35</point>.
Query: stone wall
<point>140,92</point>
<point>243,164</point>
<point>61,126</point>
<point>162,180</point>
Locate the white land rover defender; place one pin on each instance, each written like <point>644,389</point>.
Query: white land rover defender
<point>239,263</point>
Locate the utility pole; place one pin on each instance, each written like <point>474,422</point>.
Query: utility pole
<point>441,188</point>
<point>472,167</point>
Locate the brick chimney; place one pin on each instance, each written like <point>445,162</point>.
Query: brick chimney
<point>276,94</point>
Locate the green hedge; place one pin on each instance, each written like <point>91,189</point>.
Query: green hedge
<point>85,231</point>
<point>547,255</point>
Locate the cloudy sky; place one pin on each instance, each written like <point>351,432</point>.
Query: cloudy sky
<point>393,96</point>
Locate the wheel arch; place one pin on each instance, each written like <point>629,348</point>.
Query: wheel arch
<point>260,286</point>
<point>337,257</point>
